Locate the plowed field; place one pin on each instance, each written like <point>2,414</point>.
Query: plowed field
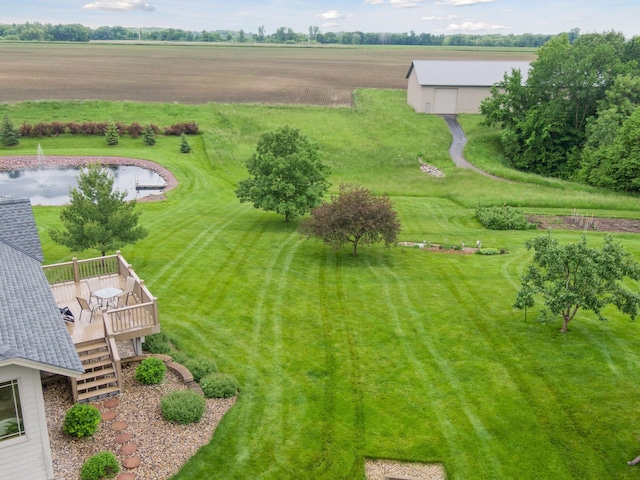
<point>210,73</point>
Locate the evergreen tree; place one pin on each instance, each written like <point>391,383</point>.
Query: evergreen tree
<point>184,144</point>
<point>97,216</point>
<point>111,135</point>
<point>8,134</point>
<point>149,136</point>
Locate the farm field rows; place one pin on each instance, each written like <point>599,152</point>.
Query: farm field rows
<point>211,73</point>
<point>398,353</point>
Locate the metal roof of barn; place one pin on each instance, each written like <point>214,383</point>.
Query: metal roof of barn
<point>465,73</point>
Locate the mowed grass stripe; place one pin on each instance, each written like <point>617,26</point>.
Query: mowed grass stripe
<point>192,251</point>
<point>464,400</point>
<point>264,399</point>
<point>504,349</point>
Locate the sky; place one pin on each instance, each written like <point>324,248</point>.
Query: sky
<point>422,16</point>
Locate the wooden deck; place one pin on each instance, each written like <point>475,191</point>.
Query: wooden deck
<point>87,326</point>
<point>137,319</point>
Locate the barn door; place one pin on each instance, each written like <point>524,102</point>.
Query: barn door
<point>446,101</point>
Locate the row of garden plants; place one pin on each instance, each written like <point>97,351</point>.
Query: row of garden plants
<point>10,136</point>
<point>181,406</point>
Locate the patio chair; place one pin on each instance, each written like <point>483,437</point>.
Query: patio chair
<point>84,306</point>
<point>93,285</point>
<point>123,298</point>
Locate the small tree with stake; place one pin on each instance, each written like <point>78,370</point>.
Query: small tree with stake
<point>96,216</point>
<point>354,216</point>
<point>576,276</point>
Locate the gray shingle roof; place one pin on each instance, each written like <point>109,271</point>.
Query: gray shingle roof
<point>465,73</point>
<point>18,227</point>
<point>31,326</point>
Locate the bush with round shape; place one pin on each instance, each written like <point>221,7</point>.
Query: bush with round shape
<point>100,466</point>
<point>219,385</point>
<point>183,406</point>
<point>81,420</point>
<point>200,367</point>
<point>157,343</point>
<point>150,371</point>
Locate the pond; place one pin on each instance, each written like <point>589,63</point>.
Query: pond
<point>50,186</point>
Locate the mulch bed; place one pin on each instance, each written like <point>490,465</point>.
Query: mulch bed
<point>615,225</point>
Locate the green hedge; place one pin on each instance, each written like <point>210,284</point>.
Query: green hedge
<point>183,406</point>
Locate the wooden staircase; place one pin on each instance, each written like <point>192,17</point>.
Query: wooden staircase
<point>102,377</point>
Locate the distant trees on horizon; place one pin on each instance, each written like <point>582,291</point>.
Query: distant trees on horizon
<point>33,32</point>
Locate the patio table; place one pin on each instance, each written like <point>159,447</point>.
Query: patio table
<point>106,296</point>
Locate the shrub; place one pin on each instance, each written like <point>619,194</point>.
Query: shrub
<point>150,371</point>
<point>488,251</point>
<point>199,367</point>
<point>81,420</point>
<point>41,130</point>
<point>157,343</point>
<point>99,466</point>
<point>219,385</point>
<point>503,218</point>
<point>57,128</point>
<point>74,128</point>
<point>25,130</point>
<point>183,406</point>
<point>135,129</point>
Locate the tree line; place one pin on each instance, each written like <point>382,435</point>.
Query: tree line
<point>45,32</point>
<point>576,115</point>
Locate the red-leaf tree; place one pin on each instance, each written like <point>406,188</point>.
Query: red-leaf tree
<point>354,216</point>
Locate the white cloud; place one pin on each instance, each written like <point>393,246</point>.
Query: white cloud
<point>119,5</point>
<point>462,3</point>
<point>333,14</point>
<point>404,3</point>
<point>434,18</point>
<point>468,26</point>
<point>375,2</point>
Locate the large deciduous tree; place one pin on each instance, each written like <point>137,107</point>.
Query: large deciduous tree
<point>544,124</point>
<point>354,216</point>
<point>577,276</point>
<point>286,174</point>
<point>97,216</point>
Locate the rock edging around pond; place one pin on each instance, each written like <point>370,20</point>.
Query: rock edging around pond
<point>33,162</point>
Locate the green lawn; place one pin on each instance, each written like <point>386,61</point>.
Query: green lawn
<point>397,353</point>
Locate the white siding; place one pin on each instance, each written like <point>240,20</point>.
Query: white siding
<point>28,457</point>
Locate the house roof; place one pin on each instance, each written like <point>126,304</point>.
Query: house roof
<point>18,227</point>
<point>465,73</point>
<point>32,331</point>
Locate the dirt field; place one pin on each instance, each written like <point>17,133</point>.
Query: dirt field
<point>211,73</point>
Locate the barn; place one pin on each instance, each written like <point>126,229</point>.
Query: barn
<point>455,86</point>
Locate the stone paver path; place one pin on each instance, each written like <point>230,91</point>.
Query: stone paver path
<point>109,414</point>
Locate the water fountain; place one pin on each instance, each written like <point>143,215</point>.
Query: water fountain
<point>40,168</point>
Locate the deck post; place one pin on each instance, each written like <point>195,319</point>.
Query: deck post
<point>76,270</point>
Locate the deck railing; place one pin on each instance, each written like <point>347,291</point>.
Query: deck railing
<point>132,319</point>
<point>77,270</point>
